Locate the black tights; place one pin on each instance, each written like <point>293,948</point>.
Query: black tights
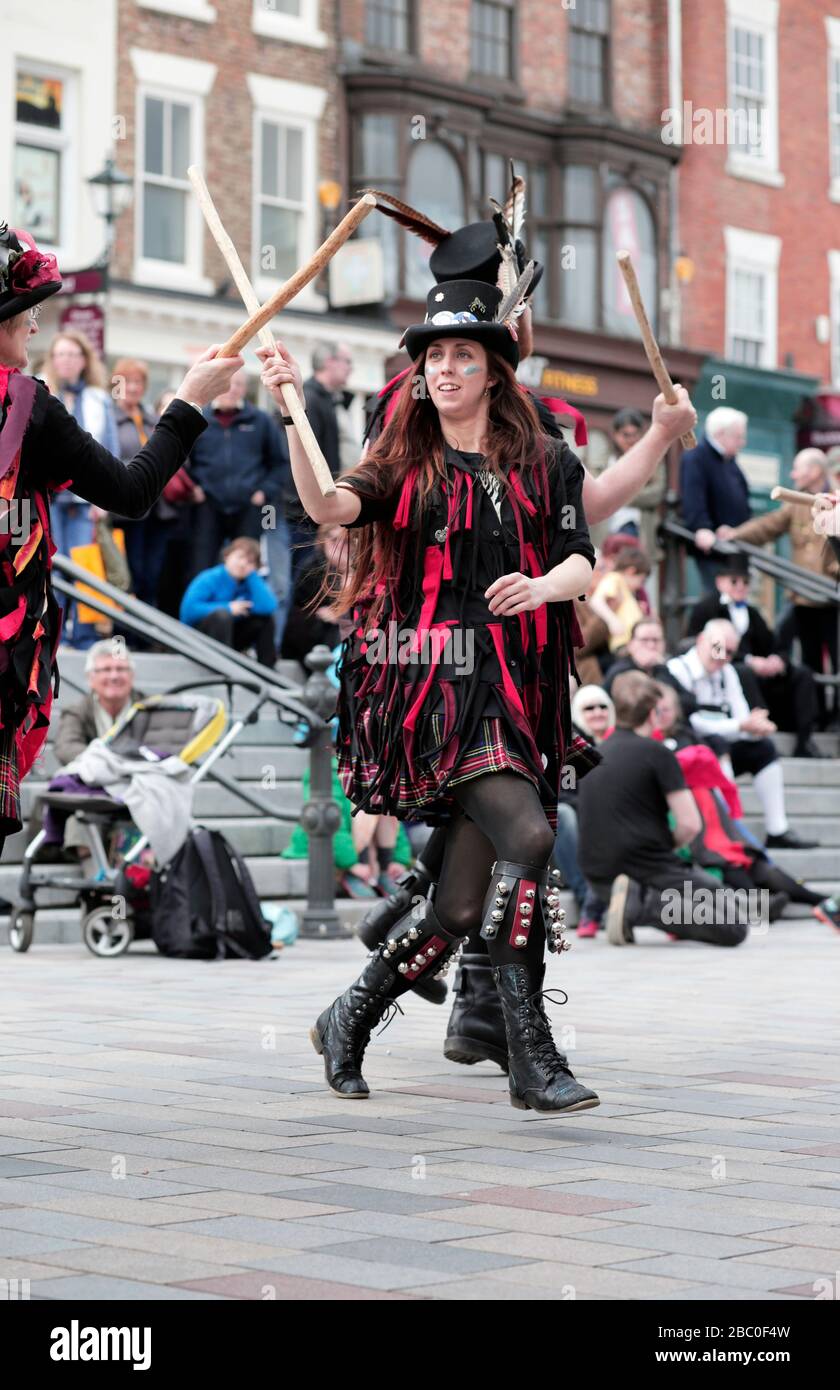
<point>506,821</point>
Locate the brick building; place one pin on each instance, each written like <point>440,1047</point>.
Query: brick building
<point>758,210</point>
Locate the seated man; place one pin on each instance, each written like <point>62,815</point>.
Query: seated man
<point>739,735</point>
<point>231,603</point>
<point>623,811</point>
<point>788,690</point>
<point>110,672</point>
<point>646,652</point>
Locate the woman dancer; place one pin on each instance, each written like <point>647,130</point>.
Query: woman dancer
<point>454,701</point>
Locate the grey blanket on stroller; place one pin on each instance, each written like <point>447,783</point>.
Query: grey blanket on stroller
<point>158,794</point>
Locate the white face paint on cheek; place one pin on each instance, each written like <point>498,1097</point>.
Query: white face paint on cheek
<point>471,369</point>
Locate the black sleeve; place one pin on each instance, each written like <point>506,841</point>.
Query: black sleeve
<point>68,454</point>
<point>571,532</point>
<point>666,765</point>
<point>377,505</point>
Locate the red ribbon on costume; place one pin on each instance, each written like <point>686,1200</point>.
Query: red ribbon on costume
<point>559,407</point>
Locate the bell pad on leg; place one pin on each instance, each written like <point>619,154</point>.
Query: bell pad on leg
<point>554,916</point>
<point>513,901</point>
<point>417,943</point>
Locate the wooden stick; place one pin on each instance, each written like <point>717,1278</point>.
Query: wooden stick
<point>654,356</point>
<point>301,277</point>
<point>786,494</point>
<point>291,400</point>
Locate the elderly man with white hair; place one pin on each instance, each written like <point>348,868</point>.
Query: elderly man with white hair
<point>739,735</point>
<point>714,492</point>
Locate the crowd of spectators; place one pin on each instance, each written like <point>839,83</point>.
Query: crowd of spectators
<point>228,549</point>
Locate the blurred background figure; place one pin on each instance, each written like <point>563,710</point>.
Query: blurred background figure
<point>232,603</point>
<point>74,373</point>
<point>714,491</point>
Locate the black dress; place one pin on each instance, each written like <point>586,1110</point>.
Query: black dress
<point>443,690</point>
<point>42,451</point>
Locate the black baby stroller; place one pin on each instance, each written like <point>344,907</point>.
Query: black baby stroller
<point>113,897</point>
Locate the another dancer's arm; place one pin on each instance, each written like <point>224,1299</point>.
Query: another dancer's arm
<point>68,454</point>
<point>279,367</point>
<point>619,484</point>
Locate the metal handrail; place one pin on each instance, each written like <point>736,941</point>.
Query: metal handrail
<point>313,704</point>
<point>818,588</point>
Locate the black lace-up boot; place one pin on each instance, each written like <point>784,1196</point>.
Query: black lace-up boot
<point>521,898</point>
<point>385,913</point>
<point>540,1077</point>
<point>476,1030</point>
<point>415,945</point>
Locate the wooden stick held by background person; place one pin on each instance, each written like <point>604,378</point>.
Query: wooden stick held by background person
<point>293,286</point>
<point>654,356</point>
<point>291,399</point>
<point>787,494</point>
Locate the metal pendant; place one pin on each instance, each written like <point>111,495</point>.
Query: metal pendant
<point>442,534</point>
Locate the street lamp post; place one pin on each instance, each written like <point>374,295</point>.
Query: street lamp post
<point>111,191</point>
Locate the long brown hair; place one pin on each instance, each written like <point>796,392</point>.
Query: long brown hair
<point>413,440</point>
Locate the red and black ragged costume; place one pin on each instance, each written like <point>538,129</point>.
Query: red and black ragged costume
<point>474,692</point>
<point>30,618</point>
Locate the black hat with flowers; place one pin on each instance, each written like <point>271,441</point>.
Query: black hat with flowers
<point>466,309</point>
<point>27,275</point>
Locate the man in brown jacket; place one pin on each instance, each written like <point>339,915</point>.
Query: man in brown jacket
<point>816,624</point>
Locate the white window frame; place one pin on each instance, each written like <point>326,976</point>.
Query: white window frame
<point>301,105</point>
<point>760,17</point>
<point>832,28</point>
<point>834,303</point>
<point>187,81</point>
<point>198,10</point>
<point>756,253</point>
<point>273,24</point>
<point>62,140</point>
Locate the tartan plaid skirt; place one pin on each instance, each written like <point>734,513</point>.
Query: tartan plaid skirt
<point>418,797</point>
<point>9,783</point>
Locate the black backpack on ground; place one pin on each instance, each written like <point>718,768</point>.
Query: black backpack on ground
<point>204,904</point>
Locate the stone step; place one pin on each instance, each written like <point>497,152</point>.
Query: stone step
<point>827,743</point>
<point>210,799</point>
<point>811,772</point>
<point>163,668</point>
<point>824,829</point>
<point>800,801</point>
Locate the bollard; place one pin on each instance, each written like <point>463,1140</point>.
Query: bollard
<point>320,817</point>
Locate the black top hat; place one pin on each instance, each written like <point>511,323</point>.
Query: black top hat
<point>27,275</point>
<point>472,253</point>
<point>735,564</point>
<point>463,309</point>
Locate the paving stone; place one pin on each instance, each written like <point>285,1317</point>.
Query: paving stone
<point>32,1243</point>
<point>421,1255</point>
<point>673,1241</point>
<point>560,1249</point>
<point>96,1287</point>
<point>267,1284</point>
<point>572,1203</point>
<point>372,1199</point>
<point>725,1273</point>
<point>391,1224</point>
<point>289,1235</point>
<point>137,1265</point>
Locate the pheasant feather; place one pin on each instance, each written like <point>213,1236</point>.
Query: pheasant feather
<point>408,217</point>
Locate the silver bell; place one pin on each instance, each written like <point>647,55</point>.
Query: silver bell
<point>489,931</point>
<point>413,933</point>
<point>526,909</point>
<point>405,941</point>
<point>520,941</point>
<point>497,916</point>
<point>402,967</point>
<point>499,902</point>
<point>431,953</point>
<point>503,886</point>
<point>529,892</point>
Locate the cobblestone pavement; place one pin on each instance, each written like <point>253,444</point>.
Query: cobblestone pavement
<point>165,1133</point>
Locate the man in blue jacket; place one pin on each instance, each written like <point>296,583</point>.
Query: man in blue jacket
<point>240,463</point>
<point>714,491</point>
<point>231,603</point>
